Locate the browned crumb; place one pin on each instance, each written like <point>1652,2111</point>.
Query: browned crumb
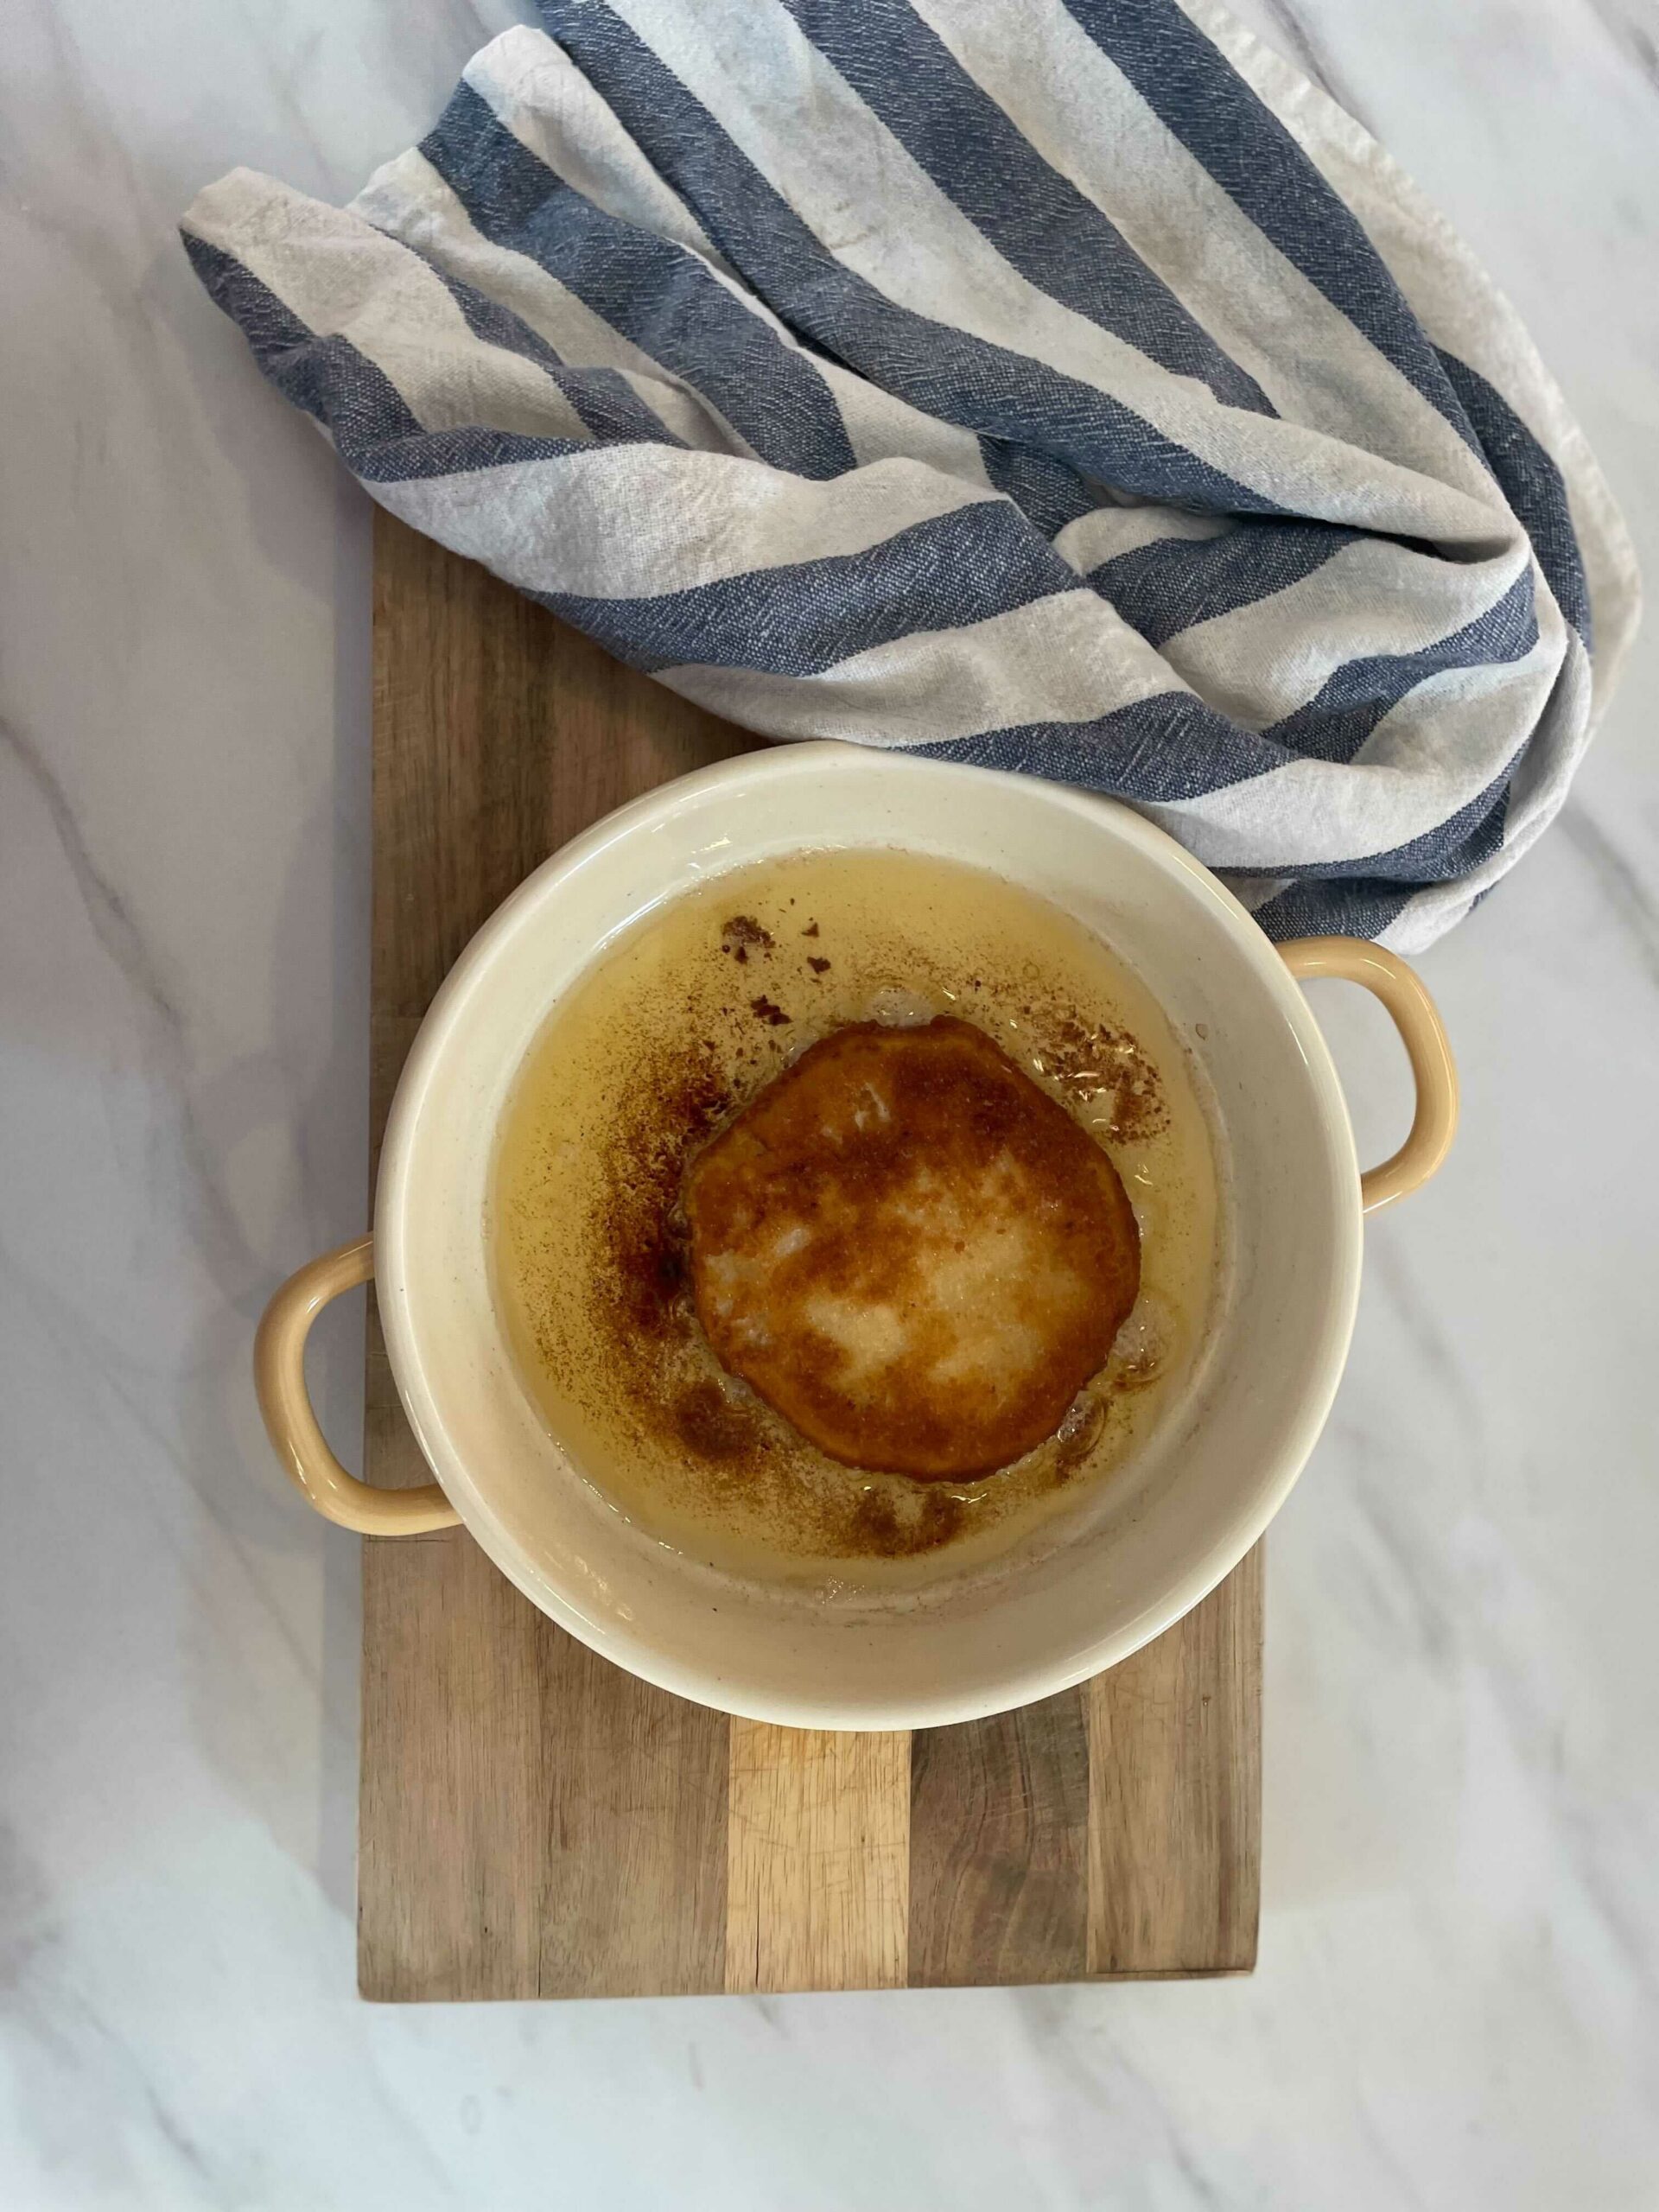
<point>741,934</point>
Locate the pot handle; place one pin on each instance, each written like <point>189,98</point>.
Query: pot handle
<point>1417,1018</point>
<point>279,1378</point>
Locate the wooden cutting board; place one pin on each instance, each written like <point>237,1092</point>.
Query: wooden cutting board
<point>535,1823</point>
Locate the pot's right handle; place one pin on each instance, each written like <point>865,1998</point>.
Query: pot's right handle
<point>279,1377</point>
<point>1417,1018</point>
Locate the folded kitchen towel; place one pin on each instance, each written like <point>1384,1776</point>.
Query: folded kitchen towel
<point>1063,386</point>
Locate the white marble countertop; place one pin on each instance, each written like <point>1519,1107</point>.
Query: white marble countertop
<point>1458,2000</point>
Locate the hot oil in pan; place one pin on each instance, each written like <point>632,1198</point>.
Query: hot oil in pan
<point>673,1030</point>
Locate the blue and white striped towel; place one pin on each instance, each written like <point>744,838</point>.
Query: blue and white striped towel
<point>1060,384</point>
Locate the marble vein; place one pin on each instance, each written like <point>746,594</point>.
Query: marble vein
<point>120,938</point>
<point>1618,882</point>
<point>1632,28</point>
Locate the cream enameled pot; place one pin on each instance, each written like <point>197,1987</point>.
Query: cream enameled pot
<point>1159,1534</point>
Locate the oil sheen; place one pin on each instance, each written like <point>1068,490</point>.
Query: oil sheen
<point>677,1024</point>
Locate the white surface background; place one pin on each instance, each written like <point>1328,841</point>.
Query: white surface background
<point>1458,2002</point>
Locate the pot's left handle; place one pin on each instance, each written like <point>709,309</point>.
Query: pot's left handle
<point>279,1377</point>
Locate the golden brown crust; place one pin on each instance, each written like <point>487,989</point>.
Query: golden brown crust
<point>912,1251</point>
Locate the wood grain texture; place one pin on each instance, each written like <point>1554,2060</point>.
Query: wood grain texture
<point>817,1859</point>
<point>632,1881</point>
<point>1175,1790</point>
<point>536,1823</point>
<point>531,1820</point>
<point>999,1857</point>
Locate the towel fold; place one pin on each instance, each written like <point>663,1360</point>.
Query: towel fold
<point>1062,385</point>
